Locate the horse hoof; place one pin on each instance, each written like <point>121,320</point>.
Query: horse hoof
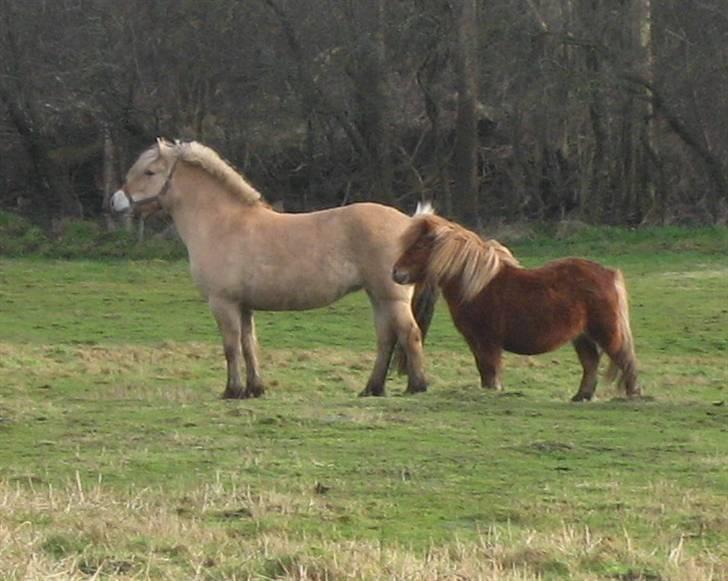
<point>414,389</point>
<point>234,394</point>
<point>581,397</point>
<point>371,393</point>
<point>255,390</point>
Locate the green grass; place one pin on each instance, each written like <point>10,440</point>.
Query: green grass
<point>117,456</point>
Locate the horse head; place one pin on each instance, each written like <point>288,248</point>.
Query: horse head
<point>148,185</point>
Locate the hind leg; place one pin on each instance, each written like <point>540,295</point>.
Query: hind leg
<point>588,353</point>
<point>386,339</point>
<point>624,365</point>
<point>488,360</point>
<point>410,338</point>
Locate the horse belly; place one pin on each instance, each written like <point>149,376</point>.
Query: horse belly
<point>287,292</point>
<point>296,299</point>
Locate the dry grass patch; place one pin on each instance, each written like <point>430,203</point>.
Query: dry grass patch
<point>78,532</point>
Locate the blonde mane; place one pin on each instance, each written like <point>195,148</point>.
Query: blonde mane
<point>460,254</point>
<point>206,159</point>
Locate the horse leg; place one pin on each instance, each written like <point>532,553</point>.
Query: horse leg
<point>386,340</point>
<point>227,315</point>
<point>249,342</point>
<point>410,338</point>
<point>588,353</point>
<point>488,360</point>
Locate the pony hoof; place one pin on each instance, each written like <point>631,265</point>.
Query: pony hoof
<point>233,394</point>
<point>367,392</point>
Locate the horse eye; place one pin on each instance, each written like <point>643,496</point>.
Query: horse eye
<point>149,172</point>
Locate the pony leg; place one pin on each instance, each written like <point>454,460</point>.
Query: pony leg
<point>386,340</point>
<point>249,342</point>
<point>227,315</point>
<point>588,353</point>
<point>624,364</point>
<point>489,364</point>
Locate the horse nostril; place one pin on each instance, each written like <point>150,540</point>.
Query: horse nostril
<point>399,277</point>
<point>119,202</point>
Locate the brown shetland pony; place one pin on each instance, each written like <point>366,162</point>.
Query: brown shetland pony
<point>498,305</point>
<point>244,256</point>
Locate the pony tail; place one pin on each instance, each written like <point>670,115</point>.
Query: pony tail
<point>623,364</point>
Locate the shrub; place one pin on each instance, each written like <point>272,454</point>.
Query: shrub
<point>81,239</point>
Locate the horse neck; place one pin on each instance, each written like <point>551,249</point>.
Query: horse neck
<point>204,206</point>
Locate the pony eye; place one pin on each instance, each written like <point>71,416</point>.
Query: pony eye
<point>149,172</point>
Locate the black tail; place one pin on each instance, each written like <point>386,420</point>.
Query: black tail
<point>423,307</point>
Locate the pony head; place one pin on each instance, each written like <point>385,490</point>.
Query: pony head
<point>441,251</point>
<point>417,243</point>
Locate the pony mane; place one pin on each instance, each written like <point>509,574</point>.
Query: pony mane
<point>458,254</point>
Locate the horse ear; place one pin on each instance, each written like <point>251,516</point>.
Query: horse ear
<point>163,145</point>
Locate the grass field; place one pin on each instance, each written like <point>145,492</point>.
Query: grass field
<point>118,458</point>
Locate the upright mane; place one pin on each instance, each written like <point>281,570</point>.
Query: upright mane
<point>461,255</point>
<point>206,159</point>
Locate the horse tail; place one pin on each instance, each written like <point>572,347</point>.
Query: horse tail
<point>623,364</point>
<point>423,302</point>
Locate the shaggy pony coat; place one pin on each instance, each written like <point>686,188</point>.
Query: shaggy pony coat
<point>497,305</point>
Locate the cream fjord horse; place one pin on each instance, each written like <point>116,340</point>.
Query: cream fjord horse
<point>245,256</point>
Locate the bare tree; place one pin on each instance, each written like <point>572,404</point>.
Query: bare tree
<point>466,136</point>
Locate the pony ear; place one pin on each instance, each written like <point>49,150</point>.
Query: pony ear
<point>429,227</point>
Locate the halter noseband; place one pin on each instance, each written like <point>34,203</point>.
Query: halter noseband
<point>163,190</point>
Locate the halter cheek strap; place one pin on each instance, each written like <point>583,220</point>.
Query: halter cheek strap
<point>163,190</point>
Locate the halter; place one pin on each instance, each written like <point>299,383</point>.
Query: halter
<point>163,190</point>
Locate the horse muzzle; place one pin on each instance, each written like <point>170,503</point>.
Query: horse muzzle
<point>120,202</point>
<point>400,276</point>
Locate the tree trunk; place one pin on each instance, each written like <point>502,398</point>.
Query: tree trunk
<point>51,199</point>
<point>466,136</point>
<point>647,145</point>
<point>110,181</point>
<point>591,200</point>
<point>638,132</point>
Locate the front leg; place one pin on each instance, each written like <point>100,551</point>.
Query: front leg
<point>254,384</point>
<point>227,315</point>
